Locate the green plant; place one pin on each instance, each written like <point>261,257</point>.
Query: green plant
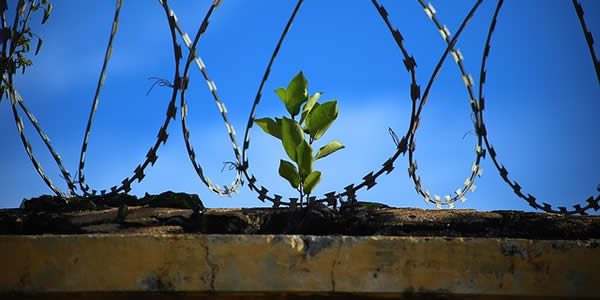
<point>298,135</point>
<point>15,38</point>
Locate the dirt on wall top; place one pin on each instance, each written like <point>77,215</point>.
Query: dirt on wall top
<point>183,213</point>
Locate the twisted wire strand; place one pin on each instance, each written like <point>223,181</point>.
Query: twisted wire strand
<point>476,170</point>
<point>193,57</point>
<point>27,145</point>
<point>591,202</point>
<point>589,38</point>
<point>171,112</point>
<point>17,99</point>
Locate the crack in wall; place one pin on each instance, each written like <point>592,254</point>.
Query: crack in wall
<point>335,261</point>
<point>213,268</point>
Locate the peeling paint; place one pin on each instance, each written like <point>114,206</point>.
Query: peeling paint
<point>155,283</point>
<point>313,245</point>
<point>591,244</point>
<point>510,249</point>
<point>297,244</point>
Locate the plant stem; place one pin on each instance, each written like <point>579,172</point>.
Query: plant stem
<point>310,142</point>
<point>301,190</point>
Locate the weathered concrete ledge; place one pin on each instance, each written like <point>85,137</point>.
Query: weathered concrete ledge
<point>193,264</point>
<point>169,246</point>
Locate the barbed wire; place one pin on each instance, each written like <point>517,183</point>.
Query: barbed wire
<point>589,38</point>
<point>15,97</point>
<point>469,183</point>
<point>369,180</point>
<point>161,139</point>
<point>592,202</point>
<point>241,164</point>
<point>192,57</point>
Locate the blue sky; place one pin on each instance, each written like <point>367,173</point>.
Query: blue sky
<point>541,110</point>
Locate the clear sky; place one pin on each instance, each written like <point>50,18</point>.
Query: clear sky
<point>542,98</point>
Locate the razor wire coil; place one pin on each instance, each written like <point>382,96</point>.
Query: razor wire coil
<point>406,144</point>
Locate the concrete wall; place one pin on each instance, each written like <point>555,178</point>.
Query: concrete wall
<point>192,265</point>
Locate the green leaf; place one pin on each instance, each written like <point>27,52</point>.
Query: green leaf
<point>269,126</point>
<point>296,94</point>
<point>320,118</point>
<point>312,100</point>
<point>47,12</point>
<point>288,171</point>
<point>328,149</point>
<point>291,136</point>
<point>39,46</point>
<point>304,158</point>
<point>282,93</point>
<point>311,181</point>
